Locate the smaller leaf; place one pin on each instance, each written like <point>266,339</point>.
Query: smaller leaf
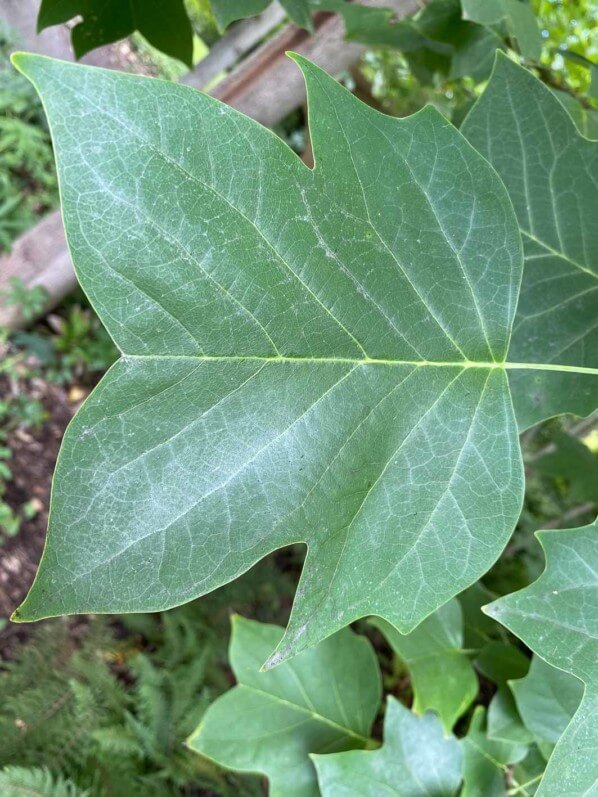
<point>525,775</point>
<point>519,17</point>
<point>478,628</point>
<point>416,758</point>
<point>504,722</point>
<point>556,617</point>
<point>165,25</point>
<point>501,662</point>
<point>547,699</point>
<point>436,39</point>
<point>573,462</point>
<point>227,11</point>
<point>486,760</point>
<point>441,674</point>
<point>324,700</point>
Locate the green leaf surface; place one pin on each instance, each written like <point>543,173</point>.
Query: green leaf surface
<point>504,722</point>
<point>486,760</point>
<point>325,700</point>
<point>478,628</point>
<point>164,23</point>
<point>309,356</point>
<point>442,676</point>
<point>551,174</point>
<point>525,775</point>
<point>519,17</point>
<point>586,119</point>
<point>556,617</point>
<point>500,662</point>
<point>227,11</point>
<point>415,759</point>
<point>436,39</point>
<point>573,463</point>
<point>547,698</point>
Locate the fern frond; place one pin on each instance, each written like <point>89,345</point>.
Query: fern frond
<point>36,782</point>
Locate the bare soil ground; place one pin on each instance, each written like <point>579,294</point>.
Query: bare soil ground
<point>32,465</point>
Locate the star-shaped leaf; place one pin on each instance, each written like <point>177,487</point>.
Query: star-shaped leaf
<point>556,617</point>
<point>551,173</point>
<point>442,677</point>
<point>164,23</point>
<point>308,355</point>
<point>416,758</point>
<point>325,700</point>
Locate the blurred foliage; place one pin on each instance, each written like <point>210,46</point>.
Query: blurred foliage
<point>569,25</point>
<point>565,25</point>
<point>108,703</point>
<point>28,186</point>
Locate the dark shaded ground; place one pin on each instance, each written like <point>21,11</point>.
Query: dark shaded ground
<point>34,455</point>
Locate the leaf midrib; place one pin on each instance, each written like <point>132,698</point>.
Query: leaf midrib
<point>366,740</point>
<point>378,361</point>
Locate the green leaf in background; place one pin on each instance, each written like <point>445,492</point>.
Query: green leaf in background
<point>547,699</point>
<point>435,40</point>
<point>164,23</point>
<point>325,700</point>
<point>478,628</point>
<point>577,58</point>
<point>519,17</point>
<point>586,119</point>
<point>442,676</point>
<point>551,174</point>
<point>308,355</point>
<point>501,662</point>
<point>486,760</point>
<point>556,617</point>
<point>525,775</point>
<point>504,721</point>
<point>227,11</point>
<point>416,758</point>
<point>573,463</point>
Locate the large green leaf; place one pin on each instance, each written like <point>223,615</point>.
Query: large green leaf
<point>486,760</point>
<point>551,174</point>
<point>164,23</point>
<point>547,699</point>
<point>556,617</point>
<point>441,674</point>
<point>325,700</point>
<point>416,759</point>
<point>311,356</point>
